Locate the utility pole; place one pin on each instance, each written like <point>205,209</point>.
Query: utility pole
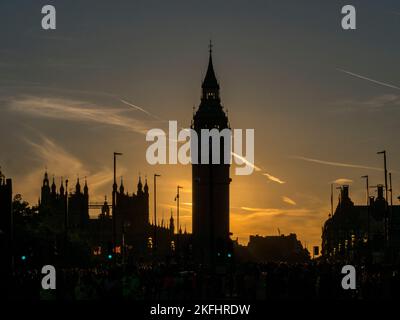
<point>386,191</point>
<point>367,186</point>
<point>177,204</point>
<point>391,207</point>
<point>177,216</point>
<point>331,199</point>
<point>368,209</point>
<point>155,211</point>
<point>390,189</point>
<point>114,195</point>
<point>66,209</point>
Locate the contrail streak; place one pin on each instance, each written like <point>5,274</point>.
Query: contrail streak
<point>246,161</point>
<point>269,176</point>
<point>369,79</point>
<point>288,200</point>
<point>274,179</point>
<point>337,164</point>
<point>139,108</point>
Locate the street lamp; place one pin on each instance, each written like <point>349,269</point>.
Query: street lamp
<point>114,195</point>
<point>177,206</point>
<point>386,191</point>
<point>368,209</point>
<point>155,209</point>
<point>177,217</point>
<point>385,169</point>
<point>66,208</point>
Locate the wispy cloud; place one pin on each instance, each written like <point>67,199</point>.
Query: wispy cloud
<point>75,110</point>
<point>54,157</point>
<point>267,211</point>
<point>263,212</point>
<point>61,163</point>
<point>370,104</point>
<point>336,164</point>
<point>385,84</point>
<point>288,200</point>
<point>187,204</point>
<point>343,181</point>
<point>273,178</point>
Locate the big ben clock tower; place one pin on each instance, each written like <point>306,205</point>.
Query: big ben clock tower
<point>210,182</point>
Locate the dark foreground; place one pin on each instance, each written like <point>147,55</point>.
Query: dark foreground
<point>161,282</point>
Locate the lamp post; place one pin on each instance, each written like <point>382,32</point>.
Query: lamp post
<point>177,216</point>
<point>386,191</point>
<point>390,189</point>
<point>114,195</point>
<point>155,210</point>
<point>66,209</point>
<point>368,209</point>
<point>391,209</point>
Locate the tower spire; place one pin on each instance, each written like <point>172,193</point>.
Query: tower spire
<point>86,188</point>
<point>121,187</point>
<point>210,84</point>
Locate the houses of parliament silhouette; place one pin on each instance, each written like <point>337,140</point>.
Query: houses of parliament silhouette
<point>133,228</point>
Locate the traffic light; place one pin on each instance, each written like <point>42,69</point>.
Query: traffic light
<point>110,253</point>
<point>23,258</point>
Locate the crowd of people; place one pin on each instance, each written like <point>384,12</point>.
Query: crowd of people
<point>171,282</point>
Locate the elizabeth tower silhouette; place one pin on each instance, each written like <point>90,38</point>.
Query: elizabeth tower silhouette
<point>210,182</point>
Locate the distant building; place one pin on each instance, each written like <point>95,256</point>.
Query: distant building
<point>276,249</point>
<point>362,233</point>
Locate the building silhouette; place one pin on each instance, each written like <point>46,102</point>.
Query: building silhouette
<point>133,210</point>
<point>52,204</point>
<point>6,235</point>
<point>357,232</point>
<point>210,182</point>
<point>279,248</point>
<point>134,230</point>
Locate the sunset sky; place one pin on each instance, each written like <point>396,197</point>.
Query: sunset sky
<point>322,100</point>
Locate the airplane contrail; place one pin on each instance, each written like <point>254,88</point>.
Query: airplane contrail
<point>274,179</point>
<point>336,164</point>
<point>369,79</point>
<point>288,200</point>
<point>246,161</point>
<point>139,108</point>
<point>269,176</point>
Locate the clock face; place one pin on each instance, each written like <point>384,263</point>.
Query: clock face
<point>208,134</point>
